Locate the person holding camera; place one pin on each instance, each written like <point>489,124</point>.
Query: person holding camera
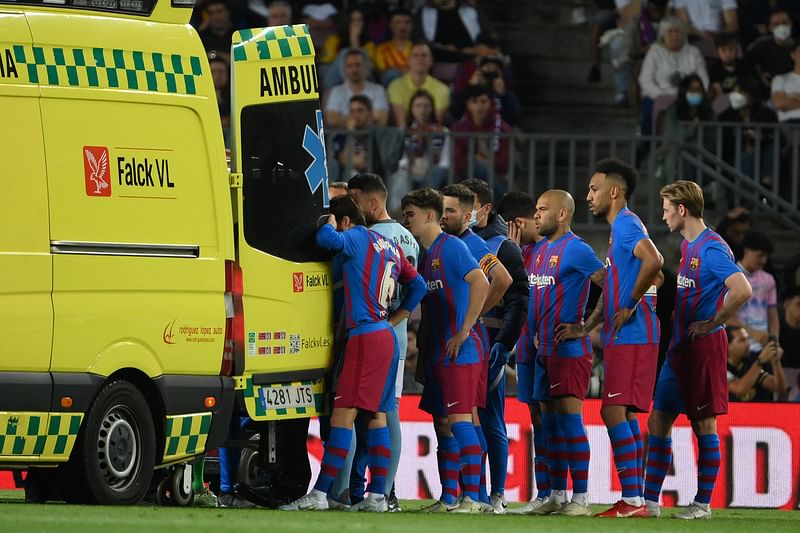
<point>490,74</point>
<point>748,379</point>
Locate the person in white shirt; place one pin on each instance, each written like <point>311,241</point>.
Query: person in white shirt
<point>706,18</point>
<point>786,91</point>
<point>337,106</point>
<point>668,60</point>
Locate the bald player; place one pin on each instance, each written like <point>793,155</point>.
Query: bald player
<point>561,276</point>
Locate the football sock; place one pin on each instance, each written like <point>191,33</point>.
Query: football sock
<point>469,444</point>
<point>332,460</point>
<point>659,457</point>
<point>556,452</point>
<point>449,457</point>
<point>379,445</point>
<point>637,436</point>
<point>540,466</point>
<point>707,467</point>
<point>578,450</point>
<point>624,447</point>
<point>483,494</point>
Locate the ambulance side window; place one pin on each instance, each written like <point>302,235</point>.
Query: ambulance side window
<point>280,212</point>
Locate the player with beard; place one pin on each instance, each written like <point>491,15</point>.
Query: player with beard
<point>562,273</point>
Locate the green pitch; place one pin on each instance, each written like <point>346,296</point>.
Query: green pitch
<point>19,517</point>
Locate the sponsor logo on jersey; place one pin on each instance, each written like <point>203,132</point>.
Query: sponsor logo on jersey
<point>685,282</point>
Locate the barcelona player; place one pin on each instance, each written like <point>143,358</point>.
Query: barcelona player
<point>693,379</point>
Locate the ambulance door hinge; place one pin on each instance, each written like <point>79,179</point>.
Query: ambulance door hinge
<point>235,180</point>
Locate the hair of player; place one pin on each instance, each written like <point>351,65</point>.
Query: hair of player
<point>340,185</point>
<point>758,241</point>
<point>686,193</point>
<point>368,183</point>
<point>427,198</point>
<point>516,205</point>
<point>362,99</point>
<point>565,200</point>
<point>620,171</point>
<point>463,193</point>
<point>346,206</point>
<point>479,188</point>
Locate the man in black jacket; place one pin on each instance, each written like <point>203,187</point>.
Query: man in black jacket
<point>504,323</point>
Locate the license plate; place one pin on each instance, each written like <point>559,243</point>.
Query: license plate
<point>288,396</point>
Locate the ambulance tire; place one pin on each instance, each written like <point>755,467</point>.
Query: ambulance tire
<point>180,497</point>
<point>116,448</point>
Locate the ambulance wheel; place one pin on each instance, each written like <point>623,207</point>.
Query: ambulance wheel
<point>179,496</point>
<point>164,492</point>
<point>117,446</point>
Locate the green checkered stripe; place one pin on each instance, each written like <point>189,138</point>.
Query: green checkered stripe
<point>186,435</point>
<point>279,42</point>
<point>106,68</point>
<point>256,408</point>
<point>50,436</point>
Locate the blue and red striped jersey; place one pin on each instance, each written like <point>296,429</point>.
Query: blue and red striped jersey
<point>561,273</point>
<point>487,261</point>
<point>705,264</point>
<point>371,269</point>
<point>444,266</point>
<point>622,269</point>
<point>526,351</point>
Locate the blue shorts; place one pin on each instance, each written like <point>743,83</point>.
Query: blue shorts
<point>541,384</point>
<point>525,376</point>
<point>668,395</point>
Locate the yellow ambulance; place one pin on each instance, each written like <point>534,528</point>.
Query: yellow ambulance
<point>145,289</point>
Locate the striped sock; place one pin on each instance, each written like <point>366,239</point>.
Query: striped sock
<point>379,450</point>
<point>578,450</point>
<point>637,437</point>
<point>464,432</point>
<point>556,452</point>
<point>482,492</point>
<point>448,456</point>
<point>540,466</point>
<point>707,467</point>
<point>659,457</point>
<point>332,460</point>
<point>624,446</point>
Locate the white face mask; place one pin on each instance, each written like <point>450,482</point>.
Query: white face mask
<point>473,218</point>
<point>738,100</point>
<point>782,32</point>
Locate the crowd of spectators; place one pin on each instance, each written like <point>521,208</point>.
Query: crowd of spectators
<point>396,77</point>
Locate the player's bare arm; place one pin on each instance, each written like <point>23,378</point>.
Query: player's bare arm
<point>478,289</point>
<point>652,261</point>
<point>739,291</point>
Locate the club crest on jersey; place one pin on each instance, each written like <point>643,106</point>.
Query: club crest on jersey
<point>435,264</point>
<point>694,263</point>
<point>553,261</point>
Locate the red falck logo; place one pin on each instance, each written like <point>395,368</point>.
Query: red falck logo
<point>297,282</point>
<point>95,166</point>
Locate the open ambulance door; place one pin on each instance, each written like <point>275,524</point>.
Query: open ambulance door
<point>283,323</point>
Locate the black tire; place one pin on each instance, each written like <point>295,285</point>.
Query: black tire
<point>179,496</point>
<point>164,493</point>
<point>116,448</point>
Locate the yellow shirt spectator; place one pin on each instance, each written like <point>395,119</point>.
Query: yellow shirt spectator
<point>403,88</point>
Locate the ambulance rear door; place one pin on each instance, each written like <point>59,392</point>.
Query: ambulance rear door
<point>280,190</point>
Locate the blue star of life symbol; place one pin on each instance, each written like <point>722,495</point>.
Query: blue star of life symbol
<point>317,171</point>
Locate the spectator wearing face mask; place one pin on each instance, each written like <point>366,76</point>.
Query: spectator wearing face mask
<point>684,117</point>
<point>746,107</point>
<point>771,57</point>
<point>669,60</point>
